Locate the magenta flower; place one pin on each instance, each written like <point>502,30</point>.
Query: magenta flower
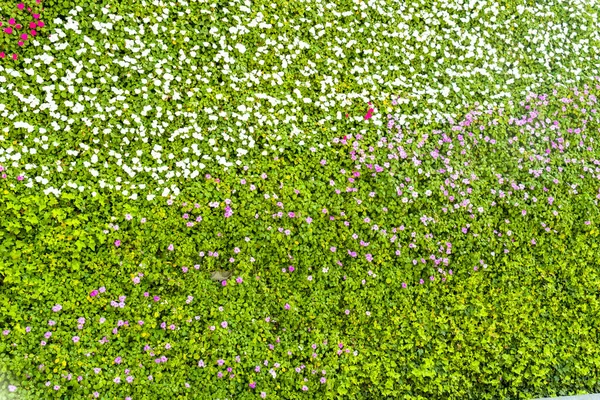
<point>252,385</point>
<point>94,293</point>
<point>224,283</point>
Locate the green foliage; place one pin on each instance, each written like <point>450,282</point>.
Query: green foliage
<point>523,325</point>
<point>506,308</point>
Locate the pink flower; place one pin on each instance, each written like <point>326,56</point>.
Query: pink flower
<point>224,324</point>
<point>117,243</point>
<point>252,385</point>
<point>94,293</point>
<point>75,339</point>
<point>224,283</point>
<point>239,280</point>
<point>14,56</point>
<point>287,306</point>
<point>171,247</point>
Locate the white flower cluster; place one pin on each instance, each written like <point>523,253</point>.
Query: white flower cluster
<point>145,103</point>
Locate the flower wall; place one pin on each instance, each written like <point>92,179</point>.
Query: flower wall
<point>300,200</point>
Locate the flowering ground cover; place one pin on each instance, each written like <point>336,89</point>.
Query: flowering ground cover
<point>294,200</point>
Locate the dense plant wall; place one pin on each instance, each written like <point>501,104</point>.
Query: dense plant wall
<point>216,235</point>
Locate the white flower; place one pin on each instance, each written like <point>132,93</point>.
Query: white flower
<point>241,48</point>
